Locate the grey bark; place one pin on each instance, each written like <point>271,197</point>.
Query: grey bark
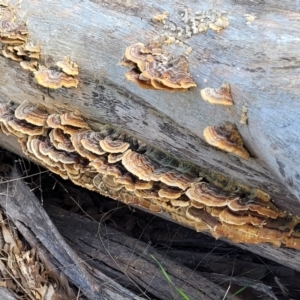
<point>261,62</point>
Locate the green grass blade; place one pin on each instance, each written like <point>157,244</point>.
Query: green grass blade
<point>183,294</point>
<point>163,270</point>
<point>180,291</point>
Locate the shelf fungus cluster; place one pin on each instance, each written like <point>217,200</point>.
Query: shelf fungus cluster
<point>151,68</point>
<point>227,138</point>
<point>116,165</point>
<point>14,37</point>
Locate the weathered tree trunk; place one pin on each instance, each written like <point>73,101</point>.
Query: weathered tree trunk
<point>96,257</point>
<point>259,60</point>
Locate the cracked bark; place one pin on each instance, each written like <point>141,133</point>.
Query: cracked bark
<point>260,61</point>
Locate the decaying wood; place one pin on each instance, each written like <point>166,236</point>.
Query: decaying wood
<point>28,214</point>
<point>175,121</point>
<point>261,69</point>
<point>100,252</point>
<point>104,246</point>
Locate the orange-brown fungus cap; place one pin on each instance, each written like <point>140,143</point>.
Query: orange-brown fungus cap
<point>262,232</point>
<point>113,146</point>
<point>149,205</point>
<point>76,141</point>
<point>254,204</point>
<point>98,162</point>
<point>177,179</point>
<point>68,66</point>
<point>196,214</point>
<point>25,127</point>
<point>182,201</point>
<point>73,119</point>
<point>31,113</point>
<point>28,50</point>
<point>143,185</point>
<point>134,76</point>
<point>111,170</point>
<point>243,234</point>
<point>126,179</point>
<point>129,198</point>
<point>53,121</point>
<point>226,138</point>
<point>209,194</point>
<point>8,130</point>
<point>47,149</point>
<point>14,34</point>
<point>220,95</point>
<point>148,194</point>
<point>154,70</point>
<point>167,206</point>
<point>292,241</point>
<point>176,74</point>
<point>4,129</point>
<point>183,220</point>
<point>197,204</point>
<point>110,183</point>
<point>60,140</point>
<point>53,79</point>
<point>90,141</point>
<point>138,164</point>
<point>240,218</point>
<point>170,193</point>
<point>115,157</point>
<point>134,54</point>
<point>34,144</point>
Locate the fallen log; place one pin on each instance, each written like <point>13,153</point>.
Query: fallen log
<point>174,122</point>
<point>94,258</point>
<point>36,226</point>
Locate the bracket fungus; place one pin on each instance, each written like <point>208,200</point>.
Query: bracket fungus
<point>14,34</point>
<point>53,79</point>
<point>29,50</point>
<point>32,114</point>
<point>116,165</point>
<point>8,53</point>
<point>209,195</point>
<point>227,138</point>
<point>221,95</point>
<point>69,67</point>
<point>153,69</point>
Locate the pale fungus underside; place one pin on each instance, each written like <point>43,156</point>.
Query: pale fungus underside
<point>121,167</point>
<point>14,38</point>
